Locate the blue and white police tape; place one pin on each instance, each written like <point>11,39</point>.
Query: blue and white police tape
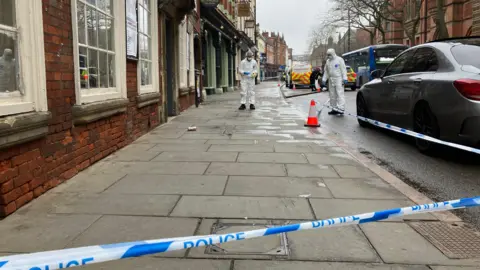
<point>67,258</point>
<point>406,131</point>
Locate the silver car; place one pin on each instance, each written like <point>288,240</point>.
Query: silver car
<point>433,89</point>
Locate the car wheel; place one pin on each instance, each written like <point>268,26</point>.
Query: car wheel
<point>425,123</point>
<point>362,110</point>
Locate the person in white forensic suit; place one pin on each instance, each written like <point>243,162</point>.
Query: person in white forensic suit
<point>248,72</point>
<point>336,74</point>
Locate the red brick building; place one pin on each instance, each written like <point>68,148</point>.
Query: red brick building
<point>68,94</point>
<point>276,52</point>
<point>458,19</point>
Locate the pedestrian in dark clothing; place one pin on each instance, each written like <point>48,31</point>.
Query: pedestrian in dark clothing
<point>314,78</point>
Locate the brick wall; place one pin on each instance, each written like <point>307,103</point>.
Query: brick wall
<point>476,18</point>
<point>30,169</point>
<point>186,101</point>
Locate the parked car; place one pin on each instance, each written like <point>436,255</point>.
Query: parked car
<point>433,89</point>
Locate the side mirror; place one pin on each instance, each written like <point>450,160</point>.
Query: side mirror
<point>376,74</point>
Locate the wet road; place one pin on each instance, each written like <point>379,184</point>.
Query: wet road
<point>449,175</point>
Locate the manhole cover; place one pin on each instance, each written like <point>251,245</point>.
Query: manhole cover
<point>273,245</point>
<point>455,240</point>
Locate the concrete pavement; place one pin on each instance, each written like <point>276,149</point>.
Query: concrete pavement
<point>239,170</point>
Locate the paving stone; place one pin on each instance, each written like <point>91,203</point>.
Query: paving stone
<point>293,148</point>
<point>349,171</point>
<point>241,148</point>
<point>247,169</point>
<point>331,159</point>
<point>261,137</point>
<point>89,183</point>
<point>369,188</point>
<point>310,170</point>
<point>114,204</point>
<point>134,154</point>
<point>257,248</point>
<point>26,233</point>
<point>150,140</point>
<point>180,148</point>
<point>170,184</point>
<point>454,267</point>
<point>331,208</point>
<point>272,158</point>
<point>196,136</point>
<point>118,229</point>
<point>241,207</point>
<point>339,244</point>
<point>167,134</point>
<point>150,167</point>
<point>151,263</point>
<point>399,243</point>
<point>276,187</point>
<point>197,156</point>
<point>242,142</point>
<point>289,265</point>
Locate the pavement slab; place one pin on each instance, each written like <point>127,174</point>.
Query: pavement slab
<point>114,204</point>
<point>347,244</point>
<point>351,171</point>
<point>240,142</point>
<point>242,207</point>
<point>89,183</point>
<point>259,148</point>
<point>201,147</point>
<point>194,168</point>
<point>305,265</point>
<point>149,263</point>
<point>27,233</point>
<point>331,208</point>
<point>150,139</point>
<point>310,170</point>
<point>197,156</point>
<point>331,159</point>
<point>130,229</point>
<point>170,184</point>
<point>277,187</point>
<point>399,243</point>
<point>369,188</point>
<point>246,169</point>
<point>272,158</point>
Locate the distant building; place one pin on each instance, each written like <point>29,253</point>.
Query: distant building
<point>276,53</point>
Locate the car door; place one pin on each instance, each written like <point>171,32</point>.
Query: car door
<point>384,97</point>
<point>414,78</point>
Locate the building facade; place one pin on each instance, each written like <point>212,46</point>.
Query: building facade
<point>262,54</point>
<point>80,98</point>
<point>421,22</point>
<point>277,51</point>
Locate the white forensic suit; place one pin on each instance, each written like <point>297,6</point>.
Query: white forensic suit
<point>336,74</point>
<point>247,70</point>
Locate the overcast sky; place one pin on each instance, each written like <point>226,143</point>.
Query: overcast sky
<point>294,18</point>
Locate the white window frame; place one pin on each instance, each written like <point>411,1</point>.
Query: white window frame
<point>84,96</point>
<point>182,34</point>
<point>154,87</point>
<point>31,61</point>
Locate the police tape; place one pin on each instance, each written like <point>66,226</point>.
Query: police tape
<point>59,259</point>
<point>405,131</point>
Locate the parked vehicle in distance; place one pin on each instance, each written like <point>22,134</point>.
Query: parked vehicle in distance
<point>432,89</point>
<point>351,78</point>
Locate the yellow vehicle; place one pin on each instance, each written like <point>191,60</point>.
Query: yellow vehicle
<point>299,75</point>
<point>351,78</point>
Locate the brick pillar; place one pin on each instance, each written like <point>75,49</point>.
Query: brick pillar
<point>476,18</point>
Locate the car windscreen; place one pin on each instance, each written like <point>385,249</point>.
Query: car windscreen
<point>467,55</point>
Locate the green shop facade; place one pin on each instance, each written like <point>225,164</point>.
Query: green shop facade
<point>221,42</point>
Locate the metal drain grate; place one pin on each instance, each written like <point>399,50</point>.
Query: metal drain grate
<point>271,246</point>
<point>455,240</point>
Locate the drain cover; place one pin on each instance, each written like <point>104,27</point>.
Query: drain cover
<point>273,245</point>
<point>455,240</point>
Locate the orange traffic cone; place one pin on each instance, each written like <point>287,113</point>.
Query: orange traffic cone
<point>278,85</point>
<point>294,87</point>
<point>312,120</point>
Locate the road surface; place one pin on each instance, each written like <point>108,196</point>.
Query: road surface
<point>449,175</point>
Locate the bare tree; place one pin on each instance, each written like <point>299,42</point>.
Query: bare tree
<point>440,20</point>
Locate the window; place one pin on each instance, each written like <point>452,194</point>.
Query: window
<point>182,33</point>
<point>148,46</point>
<point>22,77</point>
<point>425,60</point>
<point>99,48</point>
<point>399,64</point>
<point>467,55</point>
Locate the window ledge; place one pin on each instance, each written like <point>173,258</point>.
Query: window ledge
<point>185,91</point>
<point>88,113</point>
<point>147,99</point>
<point>21,128</point>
